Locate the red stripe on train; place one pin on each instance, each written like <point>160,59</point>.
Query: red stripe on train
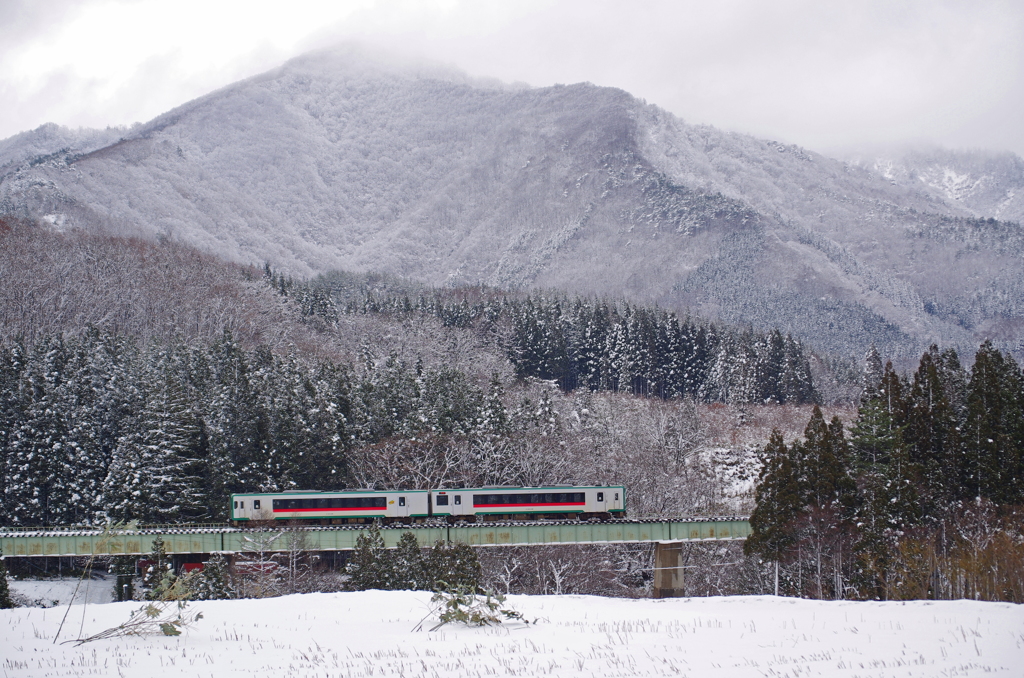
<point>574,503</point>
<point>355,508</point>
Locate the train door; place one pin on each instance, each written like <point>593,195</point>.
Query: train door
<point>601,499</point>
<point>402,507</point>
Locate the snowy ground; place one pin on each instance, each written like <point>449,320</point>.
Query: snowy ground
<point>371,633</point>
<point>57,592</point>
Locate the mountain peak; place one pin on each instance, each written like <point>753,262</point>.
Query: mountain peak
<point>350,158</point>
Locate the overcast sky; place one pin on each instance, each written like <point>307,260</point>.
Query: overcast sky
<point>832,76</point>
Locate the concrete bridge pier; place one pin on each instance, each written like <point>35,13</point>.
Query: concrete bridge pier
<point>668,571</point>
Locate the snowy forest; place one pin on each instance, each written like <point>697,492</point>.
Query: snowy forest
<point>120,417</point>
<point>147,381</point>
<point>919,497</point>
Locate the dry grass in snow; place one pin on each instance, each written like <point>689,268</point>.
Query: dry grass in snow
<point>370,634</point>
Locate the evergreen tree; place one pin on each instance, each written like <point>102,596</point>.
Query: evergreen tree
<point>770,368</point>
<point>36,489</point>
<point>798,383</point>
<point>237,424</point>
<point>451,565</point>
<point>871,380</point>
<point>493,420</point>
<point>5,593</point>
<point>881,418</point>
<point>822,457</point>
<point>96,396</point>
<point>447,403</point>
<point>370,565</point>
<point>828,496</point>
<point>933,431</point>
<point>889,506</point>
<point>874,436</point>
<point>409,573</point>
<point>213,582</point>
<point>992,465</point>
<point>155,470</point>
<point>154,579</point>
<point>12,367</point>
<point>778,503</point>
<point>307,436</point>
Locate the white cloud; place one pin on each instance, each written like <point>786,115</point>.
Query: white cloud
<point>824,75</point>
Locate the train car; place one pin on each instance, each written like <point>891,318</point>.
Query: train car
<point>333,508</point>
<point>529,503</point>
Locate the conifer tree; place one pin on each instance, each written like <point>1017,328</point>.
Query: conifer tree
<point>5,593</point>
<point>798,383</point>
<point>451,565</point>
<point>871,380</point>
<point>12,364</point>
<point>408,569</point>
<point>778,503</point>
<point>307,437</point>
<point>370,566</point>
<point>770,370</point>
<point>159,567</point>
<point>493,420</point>
<point>155,470</point>
<point>874,436</point>
<point>992,463</point>
<point>828,496</point>
<point>888,507</point>
<point>124,568</point>
<point>237,423</point>
<point>36,487</point>
<point>933,432</point>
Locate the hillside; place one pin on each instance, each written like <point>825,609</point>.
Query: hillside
<point>111,347</point>
<point>989,185</point>
<point>343,160</point>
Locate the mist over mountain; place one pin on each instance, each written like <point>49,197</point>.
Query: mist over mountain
<point>988,185</point>
<point>345,160</point>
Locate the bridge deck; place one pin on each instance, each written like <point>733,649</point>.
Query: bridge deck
<point>210,539</point>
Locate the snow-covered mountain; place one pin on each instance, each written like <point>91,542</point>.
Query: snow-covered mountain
<point>37,145</point>
<point>341,159</point>
<point>989,185</point>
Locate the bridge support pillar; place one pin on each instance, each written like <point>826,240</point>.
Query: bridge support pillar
<point>668,573</point>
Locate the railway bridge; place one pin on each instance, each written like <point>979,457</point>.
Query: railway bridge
<point>195,543</point>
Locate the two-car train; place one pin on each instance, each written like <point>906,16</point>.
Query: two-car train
<point>453,505</point>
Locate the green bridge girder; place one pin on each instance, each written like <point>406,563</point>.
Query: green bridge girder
<point>198,540</point>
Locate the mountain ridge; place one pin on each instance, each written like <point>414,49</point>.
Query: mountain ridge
<point>339,160</point>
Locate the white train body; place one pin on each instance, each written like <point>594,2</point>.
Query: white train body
<point>340,507</point>
<point>530,502</point>
<point>485,503</point>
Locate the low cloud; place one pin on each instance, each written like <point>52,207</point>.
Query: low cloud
<point>823,75</point>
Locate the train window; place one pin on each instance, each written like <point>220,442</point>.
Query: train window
<point>327,503</point>
<point>442,500</point>
<point>600,496</point>
<point>241,504</point>
<point>236,504</point>
<point>255,503</point>
<point>616,496</point>
<point>401,501</point>
<point>458,499</point>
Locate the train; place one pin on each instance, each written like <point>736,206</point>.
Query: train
<point>452,505</point>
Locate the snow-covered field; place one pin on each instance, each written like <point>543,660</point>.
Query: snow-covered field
<point>371,634</point>
<point>57,592</point>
